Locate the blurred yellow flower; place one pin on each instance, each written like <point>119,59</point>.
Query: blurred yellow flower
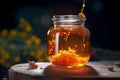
<point>39,54</point>
<point>23,34</point>
<point>6,56</point>
<point>2,61</point>
<point>17,59</point>
<point>37,41</point>
<point>33,37</point>
<point>33,53</point>
<point>20,43</point>
<point>28,28</point>
<point>22,22</point>
<point>13,32</point>
<point>4,32</point>
<point>28,42</point>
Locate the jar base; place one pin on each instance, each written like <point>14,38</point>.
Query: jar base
<point>68,71</point>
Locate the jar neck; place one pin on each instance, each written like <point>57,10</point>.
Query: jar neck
<point>68,20</point>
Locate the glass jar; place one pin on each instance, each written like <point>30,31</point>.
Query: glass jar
<point>68,41</point>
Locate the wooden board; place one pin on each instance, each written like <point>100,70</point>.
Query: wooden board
<point>45,71</point>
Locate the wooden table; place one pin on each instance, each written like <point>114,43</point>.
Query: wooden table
<point>94,70</point>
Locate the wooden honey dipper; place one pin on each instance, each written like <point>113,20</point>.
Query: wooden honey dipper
<point>81,14</point>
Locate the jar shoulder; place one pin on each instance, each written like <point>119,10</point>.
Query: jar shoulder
<point>71,29</point>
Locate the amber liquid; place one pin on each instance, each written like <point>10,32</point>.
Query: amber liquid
<point>68,46</point>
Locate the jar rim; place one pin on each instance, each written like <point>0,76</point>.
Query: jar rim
<point>68,17</point>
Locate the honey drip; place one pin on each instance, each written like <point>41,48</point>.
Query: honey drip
<point>83,6</point>
<point>81,14</point>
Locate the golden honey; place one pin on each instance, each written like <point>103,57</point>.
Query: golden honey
<point>68,41</point>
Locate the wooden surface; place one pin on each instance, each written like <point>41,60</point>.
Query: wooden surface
<point>45,71</point>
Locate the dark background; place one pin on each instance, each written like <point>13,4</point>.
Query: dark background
<point>102,18</point>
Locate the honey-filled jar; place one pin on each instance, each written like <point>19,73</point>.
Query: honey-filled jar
<point>68,41</point>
